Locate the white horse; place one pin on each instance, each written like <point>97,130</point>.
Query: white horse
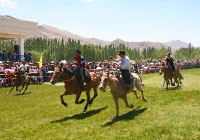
<point>118,90</point>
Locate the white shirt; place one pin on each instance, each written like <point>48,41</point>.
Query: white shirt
<point>23,67</point>
<point>64,63</point>
<point>124,63</point>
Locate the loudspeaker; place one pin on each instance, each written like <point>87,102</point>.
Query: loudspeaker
<point>16,48</point>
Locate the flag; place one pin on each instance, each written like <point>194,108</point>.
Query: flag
<point>40,65</point>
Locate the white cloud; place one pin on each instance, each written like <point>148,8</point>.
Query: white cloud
<point>88,0</point>
<point>8,3</point>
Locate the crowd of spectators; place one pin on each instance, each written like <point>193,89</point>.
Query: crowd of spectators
<point>43,74</point>
<point>12,56</point>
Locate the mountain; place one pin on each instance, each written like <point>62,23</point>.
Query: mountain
<point>49,32</point>
<point>177,44</point>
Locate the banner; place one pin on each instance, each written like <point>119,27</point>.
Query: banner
<point>40,65</point>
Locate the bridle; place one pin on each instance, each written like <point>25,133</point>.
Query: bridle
<point>59,76</point>
<point>105,83</point>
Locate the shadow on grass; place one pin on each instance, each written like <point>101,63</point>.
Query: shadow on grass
<point>128,116</point>
<point>173,88</point>
<point>20,94</point>
<point>80,116</point>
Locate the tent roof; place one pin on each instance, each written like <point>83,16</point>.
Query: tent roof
<point>12,28</point>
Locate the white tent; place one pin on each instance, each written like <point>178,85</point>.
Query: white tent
<point>12,28</point>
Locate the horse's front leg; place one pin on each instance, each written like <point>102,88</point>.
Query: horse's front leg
<point>126,102</point>
<point>11,89</point>
<point>143,97</point>
<point>25,88</point>
<point>95,95</point>
<point>163,83</point>
<point>61,98</point>
<point>77,99</point>
<point>21,88</point>
<point>167,83</point>
<point>17,87</point>
<point>117,107</point>
<point>172,83</point>
<point>135,92</point>
<point>88,100</point>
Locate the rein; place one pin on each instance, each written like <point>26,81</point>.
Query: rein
<point>66,80</point>
<point>69,79</point>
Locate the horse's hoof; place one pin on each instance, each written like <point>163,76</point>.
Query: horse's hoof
<point>115,118</point>
<point>65,104</point>
<point>8,93</point>
<point>131,106</point>
<point>145,100</point>
<point>138,96</point>
<point>82,100</point>
<point>84,110</point>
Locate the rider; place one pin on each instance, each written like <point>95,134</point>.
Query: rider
<point>80,64</point>
<point>63,63</point>
<point>169,60</point>
<point>124,63</point>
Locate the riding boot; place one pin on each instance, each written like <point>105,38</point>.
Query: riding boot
<point>128,88</point>
<point>82,84</point>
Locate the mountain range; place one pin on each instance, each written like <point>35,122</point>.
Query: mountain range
<point>48,32</point>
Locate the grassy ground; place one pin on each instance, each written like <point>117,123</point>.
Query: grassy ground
<point>39,115</point>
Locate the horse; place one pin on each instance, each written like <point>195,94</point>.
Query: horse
<point>72,85</point>
<point>118,90</point>
<point>21,80</point>
<point>169,76</point>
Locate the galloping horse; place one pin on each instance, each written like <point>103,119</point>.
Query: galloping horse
<point>118,90</point>
<point>168,75</point>
<point>72,85</point>
<point>21,80</point>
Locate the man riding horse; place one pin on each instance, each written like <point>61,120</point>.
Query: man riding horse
<point>169,60</point>
<point>124,65</point>
<point>80,66</point>
<point>170,71</point>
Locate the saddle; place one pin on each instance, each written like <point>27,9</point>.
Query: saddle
<point>87,77</point>
<point>120,78</point>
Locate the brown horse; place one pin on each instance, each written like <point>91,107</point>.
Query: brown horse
<point>169,76</point>
<point>21,80</point>
<point>118,90</point>
<point>72,85</point>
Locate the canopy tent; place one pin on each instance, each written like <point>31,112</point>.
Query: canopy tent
<point>12,28</point>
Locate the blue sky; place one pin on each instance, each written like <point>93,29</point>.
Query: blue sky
<point>130,20</point>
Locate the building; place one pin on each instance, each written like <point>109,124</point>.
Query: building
<point>12,28</point>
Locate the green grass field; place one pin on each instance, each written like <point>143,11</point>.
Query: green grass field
<point>39,115</point>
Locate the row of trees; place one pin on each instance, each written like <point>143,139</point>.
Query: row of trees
<point>56,50</point>
<point>188,53</point>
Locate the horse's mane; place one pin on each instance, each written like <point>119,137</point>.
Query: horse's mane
<point>69,71</point>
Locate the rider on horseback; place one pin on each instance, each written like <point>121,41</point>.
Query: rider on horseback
<point>124,63</point>
<point>80,65</point>
<point>169,60</point>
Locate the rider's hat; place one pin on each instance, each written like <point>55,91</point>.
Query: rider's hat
<point>78,51</point>
<point>122,52</point>
<point>168,53</point>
